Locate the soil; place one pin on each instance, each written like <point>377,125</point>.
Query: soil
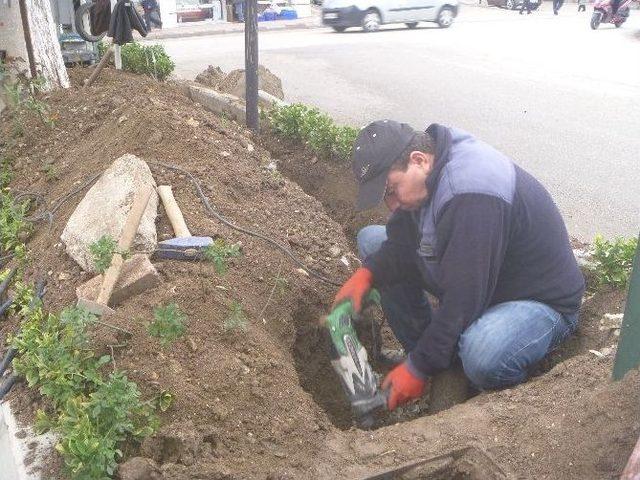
<point>263,402</point>
<point>234,82</point>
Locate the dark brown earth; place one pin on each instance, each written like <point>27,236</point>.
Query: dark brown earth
<point>263,403</point>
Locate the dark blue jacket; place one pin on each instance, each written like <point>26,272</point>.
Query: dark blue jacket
<point>488,233</point>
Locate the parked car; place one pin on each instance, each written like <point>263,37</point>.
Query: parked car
<point>513,4</point>
<point>370,14</point>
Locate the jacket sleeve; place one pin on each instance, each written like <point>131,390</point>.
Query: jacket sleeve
<point>396,260</point>
<point>472,233</point>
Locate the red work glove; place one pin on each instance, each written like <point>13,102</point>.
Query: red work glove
<point>355,289</point>
<point>403,386</point>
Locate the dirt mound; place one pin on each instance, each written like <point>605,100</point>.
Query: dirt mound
<point>211,76</point>
<point>263,402</point>
<point>234,82</point>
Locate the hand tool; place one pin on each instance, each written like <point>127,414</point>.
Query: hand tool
<point>183,246</point>
<point>131,224</point>
<point>349,360</point>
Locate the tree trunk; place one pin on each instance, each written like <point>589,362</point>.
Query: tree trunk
<point>46,48</point>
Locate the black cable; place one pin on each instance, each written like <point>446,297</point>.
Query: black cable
<point>8,383</point>
<point>211,212</point>
<point>48,214</point>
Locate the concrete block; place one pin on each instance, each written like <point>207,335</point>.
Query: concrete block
<point>138,275</point>
<point>270,99</point>
<point>217,102</point>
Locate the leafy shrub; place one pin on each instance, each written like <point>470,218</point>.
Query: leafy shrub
<point>168,324</point>
<point>614,260</point>
<point>151,60</point>
<point>300,123</point>
<point>219,252</point>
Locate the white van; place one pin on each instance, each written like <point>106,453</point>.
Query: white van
<point>370,14</point>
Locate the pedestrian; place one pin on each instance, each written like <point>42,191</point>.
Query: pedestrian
<point>582,5</point>
<point>557,5</point>
<point>479,234</point>
<point>238,7</point>
<point>525,4</point>
<point>151,13</point>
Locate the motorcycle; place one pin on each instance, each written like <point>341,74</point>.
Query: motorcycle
<point>603,13</point>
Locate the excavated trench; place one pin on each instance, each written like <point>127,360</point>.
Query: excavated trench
<point>332,185</point>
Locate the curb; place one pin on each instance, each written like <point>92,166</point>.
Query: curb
<point>227,30</point>
<point>18,445</point>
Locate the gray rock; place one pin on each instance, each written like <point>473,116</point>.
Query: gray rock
<point>139,468</point>
<point>104,209</point>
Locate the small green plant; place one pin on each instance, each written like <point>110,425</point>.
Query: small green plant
<point>236,320</point>
<point>50,171</point>
<point>151,60</point>
<point>219,252</point>
<point>164,400</point>
<point>5,172</point>
<point>102,251</point>
<point>12,222</point>
<point>168,324</point>
<point>614,260</point>
<point>282,285</point>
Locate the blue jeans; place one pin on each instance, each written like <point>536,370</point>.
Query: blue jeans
<point>498,349</point>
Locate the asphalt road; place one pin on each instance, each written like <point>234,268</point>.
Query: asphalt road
<point>562,100</point>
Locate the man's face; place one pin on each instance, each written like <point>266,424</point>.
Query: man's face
<point>407,190</point>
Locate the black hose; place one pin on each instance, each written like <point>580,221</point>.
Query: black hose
<point>8,383</point>
<point>6,281</point>
<point>6,361</point>
<point>212,213</point>
<point>5,306</point>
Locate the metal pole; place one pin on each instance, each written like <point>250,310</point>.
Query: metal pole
<point>27,37</point>
<point>251,63</point>
<point>628,353</point>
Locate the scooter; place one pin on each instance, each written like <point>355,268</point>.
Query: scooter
<point>603,13</point>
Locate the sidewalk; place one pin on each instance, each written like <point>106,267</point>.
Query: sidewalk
<point>197,29</point>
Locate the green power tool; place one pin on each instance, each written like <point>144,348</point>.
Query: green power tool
<point>349,360</point>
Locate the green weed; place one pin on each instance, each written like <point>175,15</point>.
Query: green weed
<point>168,324</point>
<point>102,251</point>
<point>282,285</point>
<point>236,320</point>
<point>219,252</point>
<point>614,260</point>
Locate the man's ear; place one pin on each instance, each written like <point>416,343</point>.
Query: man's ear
<point>420,158</point>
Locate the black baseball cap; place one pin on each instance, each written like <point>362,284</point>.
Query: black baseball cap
<point>377,147</point>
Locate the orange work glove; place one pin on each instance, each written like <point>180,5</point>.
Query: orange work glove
<point>403,386</point>
<point>355,289</point>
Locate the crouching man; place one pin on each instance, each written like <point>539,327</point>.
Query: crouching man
<point>477,232</point>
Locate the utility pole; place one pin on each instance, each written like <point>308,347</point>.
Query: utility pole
<point>251,64</point>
